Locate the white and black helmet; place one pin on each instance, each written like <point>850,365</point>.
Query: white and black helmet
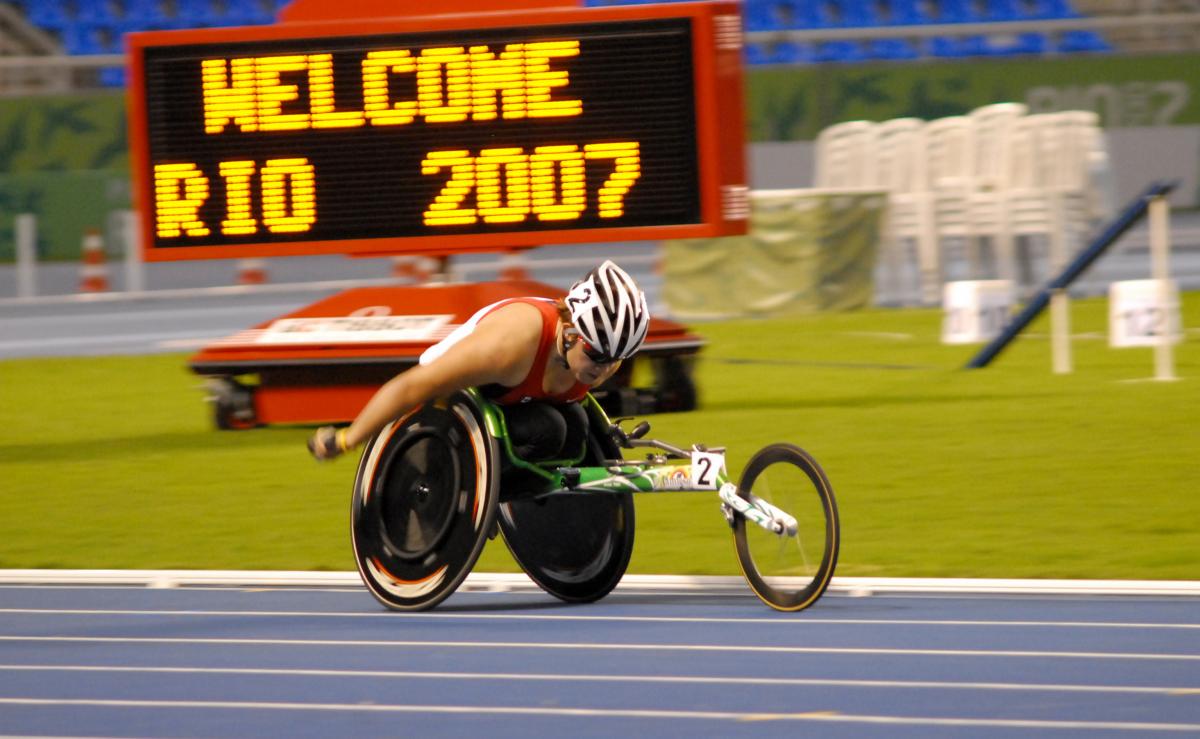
<point>609,311</point>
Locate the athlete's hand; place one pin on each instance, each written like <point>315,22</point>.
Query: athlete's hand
<point>327,443</point>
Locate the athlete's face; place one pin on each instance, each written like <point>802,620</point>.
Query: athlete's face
<point>586,369</point>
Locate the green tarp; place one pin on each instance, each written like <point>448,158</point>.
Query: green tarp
<point>807,251</point>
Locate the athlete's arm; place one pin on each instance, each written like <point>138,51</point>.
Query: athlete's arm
<point>500,350</point>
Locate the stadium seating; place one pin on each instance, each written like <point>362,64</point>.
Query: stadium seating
<point>764,16</point>
<point>95,26</point>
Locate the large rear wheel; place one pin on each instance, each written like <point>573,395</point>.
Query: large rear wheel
<point>424,501</point>
<point>788,571</point>
<point>574,546</point>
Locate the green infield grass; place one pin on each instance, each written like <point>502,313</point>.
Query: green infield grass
<point>1008,471</point>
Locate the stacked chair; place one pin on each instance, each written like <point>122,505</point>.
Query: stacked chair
<point>964,190</point>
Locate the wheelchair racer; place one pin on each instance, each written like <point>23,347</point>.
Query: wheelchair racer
<point>535,357</point>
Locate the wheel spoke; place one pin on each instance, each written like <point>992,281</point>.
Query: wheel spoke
<point>786,574</point>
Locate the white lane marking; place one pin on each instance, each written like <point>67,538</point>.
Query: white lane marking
<point>156,314</point>
<point>893,335</point>
<point>825,716</point>
<point>60,341</point>
<point>600,647</point>
<point>194,343</point>
<point>781,621</point>
<point>558,677</point>
<point>691,586</point>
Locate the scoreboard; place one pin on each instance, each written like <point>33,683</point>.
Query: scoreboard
<point>439,134</point>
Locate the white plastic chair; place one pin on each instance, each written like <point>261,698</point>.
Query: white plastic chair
<point>993,123</point>
<point>1048,193</point>
<point>950,155</point>
<point>846,155</point>
<point>900,171</point>
<point>989,200</point>
<point>1083,164</point>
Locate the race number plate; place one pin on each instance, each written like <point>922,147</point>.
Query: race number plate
<point>707,469</point>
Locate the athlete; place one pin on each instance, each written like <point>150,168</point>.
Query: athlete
<point>535,357</point>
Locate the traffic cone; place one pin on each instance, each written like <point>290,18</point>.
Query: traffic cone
<point>93,275</point>
<point>252,272</point>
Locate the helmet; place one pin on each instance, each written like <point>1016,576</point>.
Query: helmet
<point>609,311</point>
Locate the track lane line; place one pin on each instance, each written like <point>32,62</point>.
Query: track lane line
<point>583,646</point>
<point>813,716</point>
<point>782,621</point>
<point>569,677</point>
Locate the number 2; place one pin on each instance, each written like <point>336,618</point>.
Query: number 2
<point>706,469</point>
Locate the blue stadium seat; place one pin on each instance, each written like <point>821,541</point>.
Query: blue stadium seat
<point>957,48</point>
<point>906,13</point>
<point>891,49</point>
<point>1074,42</point>
<point>1023,44</point>
<point>1051,9</point>
<point>141,15</point>
<point>98,13</point>
<point>84,40</point>
<point>778,52</point>
<point>1004,10</point>
<point>113,77</point>
<point>247,13</point>
<point>955,11</point>
<point>776,15</point>
<point>53,15</point>
<point>801,14</point>
<point>859,14</point>
<point>196,14</point>
<point>817,13</point>
<point>759,16</point>
<point>839,51</point>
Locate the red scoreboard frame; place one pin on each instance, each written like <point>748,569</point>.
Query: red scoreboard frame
<point>440,134</point>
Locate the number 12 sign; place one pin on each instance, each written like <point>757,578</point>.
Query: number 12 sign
<point>440,134</point>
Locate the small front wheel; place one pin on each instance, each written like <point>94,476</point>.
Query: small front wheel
<point>789,572</point>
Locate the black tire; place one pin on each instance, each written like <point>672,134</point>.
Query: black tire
<point>233,404</point>
<point>575,547</point>
<point>789,573</point>
<point>424,501</point>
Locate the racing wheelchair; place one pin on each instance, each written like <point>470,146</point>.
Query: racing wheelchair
<point>433,486</point>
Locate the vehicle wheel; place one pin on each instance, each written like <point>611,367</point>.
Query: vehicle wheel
<point>574,546</point>
<point>233,404</point>
<point>424,502</point>
<point>788,572</point>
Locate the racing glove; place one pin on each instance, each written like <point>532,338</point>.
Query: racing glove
<point>327,442</point>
